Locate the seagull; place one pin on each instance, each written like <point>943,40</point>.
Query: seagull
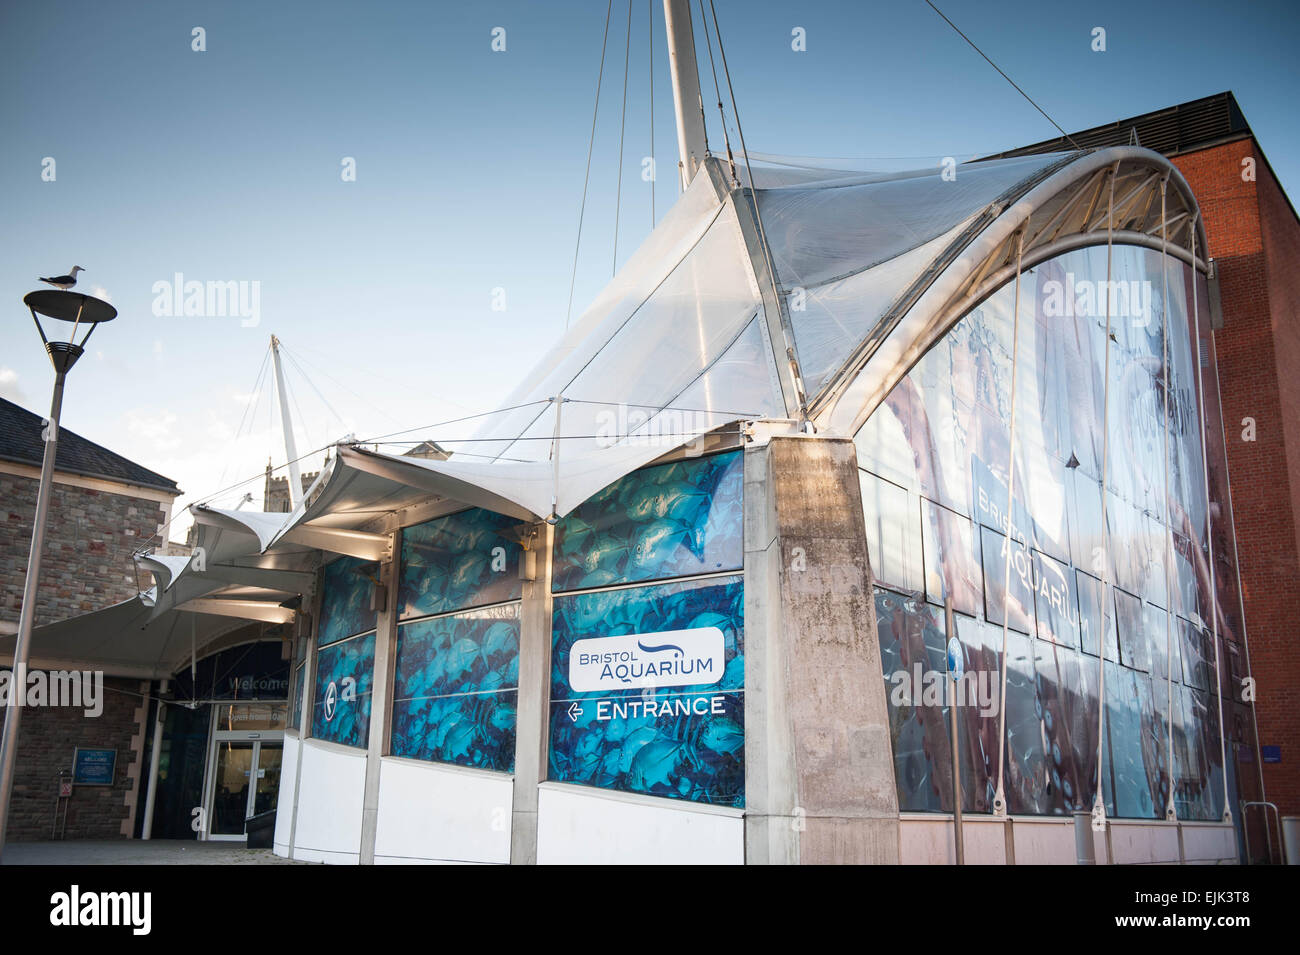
<point>64,282</point>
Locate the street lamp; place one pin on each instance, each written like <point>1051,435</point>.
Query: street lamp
<point>80,310</point>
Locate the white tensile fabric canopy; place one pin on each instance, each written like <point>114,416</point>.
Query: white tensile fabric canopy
<point>802,301</point>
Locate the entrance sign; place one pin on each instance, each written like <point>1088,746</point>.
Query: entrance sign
<point>94,767</point>
<point>692,657</point>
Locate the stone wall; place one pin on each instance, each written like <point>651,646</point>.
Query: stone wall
<point>49,734</point>
<point>89,539</point>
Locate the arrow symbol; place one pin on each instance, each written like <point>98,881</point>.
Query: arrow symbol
<point>574,711</point>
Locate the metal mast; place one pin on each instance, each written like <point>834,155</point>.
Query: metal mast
<point>290,448</point>
<point>686,88</point>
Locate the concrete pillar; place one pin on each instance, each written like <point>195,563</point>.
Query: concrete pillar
<point>533,709</point>
<point>819,783</point>
<point>381,685</point>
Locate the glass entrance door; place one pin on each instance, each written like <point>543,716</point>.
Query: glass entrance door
<point>235,773</point>
<point>266,775</point>
<point>244,766</point>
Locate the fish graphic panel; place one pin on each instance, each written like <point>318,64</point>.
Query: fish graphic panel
<point>462,560</point>
<point>344,679</point>
<point>684,741</point>
<point>670,520</point>
<point>456,688</point>
<point>345,599</point>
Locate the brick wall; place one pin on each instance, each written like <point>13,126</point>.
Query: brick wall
<point>1255,241</point>
<point>89,538</point>
<point>47,738</point>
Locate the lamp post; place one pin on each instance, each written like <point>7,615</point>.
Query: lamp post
<point>80,310</point>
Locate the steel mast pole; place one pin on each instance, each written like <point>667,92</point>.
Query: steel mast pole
<point>686,88</point>
<point>63,356</point>
<point>290,446</point>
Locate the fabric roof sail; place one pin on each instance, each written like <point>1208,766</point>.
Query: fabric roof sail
<point>693,335</point>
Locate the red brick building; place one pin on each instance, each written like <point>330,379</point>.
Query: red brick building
<point>1254,241</point>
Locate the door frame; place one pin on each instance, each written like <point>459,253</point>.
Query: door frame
<point>215,738</point>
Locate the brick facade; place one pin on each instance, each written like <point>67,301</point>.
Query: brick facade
<point>1254,238</point>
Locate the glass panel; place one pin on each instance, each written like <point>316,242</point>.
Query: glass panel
<point>893,533</point>
<point>233,778</point>
<point>455,688</point>
<point>252,716</point>
<point>1090,607</point>
<point>647,690</point>
<point>1028,777</point>
<point>344,673</point>
<point>670,520</point>
<point>345,599</point>
<point>1056,601</point>
<point>249,671</point>
<point>940,440</point>
<point>952,559</point>
<point>1130,744</point>
<point>1135,651</point>
<point>1067,713</point>
<point>912,656</point>
<point>1019,598</point>
<point>299,689</point>
<point>458,561</point>
<point>182,765</point>
<point>269,758</point>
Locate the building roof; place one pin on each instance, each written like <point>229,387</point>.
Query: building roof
<point>1198,124</point>
<point>20,441</point>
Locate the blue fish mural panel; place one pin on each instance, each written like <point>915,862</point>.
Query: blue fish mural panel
<point>462,560</point>
<point>345,599</point>
<point>682,742</point>
<point>670,520</point>
<point>344,680</point>
<point>455,689</point>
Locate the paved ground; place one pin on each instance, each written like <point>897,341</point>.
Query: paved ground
<point>137,852</point>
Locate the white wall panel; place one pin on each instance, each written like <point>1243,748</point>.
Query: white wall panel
<point>580,825</point>
<point>435,813</point>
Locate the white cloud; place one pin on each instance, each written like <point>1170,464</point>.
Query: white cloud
<point>9,386</point>
<point>154,428</point>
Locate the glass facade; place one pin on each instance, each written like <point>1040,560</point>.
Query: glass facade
<point>345,658</point>
<point>647,656</point>
<point>935,465</point>
<point>456,682</point>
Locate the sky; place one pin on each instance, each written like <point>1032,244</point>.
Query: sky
<point>404,199</point>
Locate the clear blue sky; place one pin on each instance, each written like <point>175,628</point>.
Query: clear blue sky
<point>225,165</point>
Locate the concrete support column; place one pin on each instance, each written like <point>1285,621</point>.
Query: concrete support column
<point>819,784</point>
<point>381,684</point>
<point>533,710</point>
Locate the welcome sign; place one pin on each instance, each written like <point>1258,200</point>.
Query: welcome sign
<point>692,657</point>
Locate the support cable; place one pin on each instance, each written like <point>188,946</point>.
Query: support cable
<point>1098,796</point>
<point>1202,356</point>
<point>254,397</point>
<point>654,170</point>
<point>1171,811</point>
<point>722,117</point>
<point>622,129</point>
<point>1004,75</point>
<point>582,210</point>
<point>999,797</point>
